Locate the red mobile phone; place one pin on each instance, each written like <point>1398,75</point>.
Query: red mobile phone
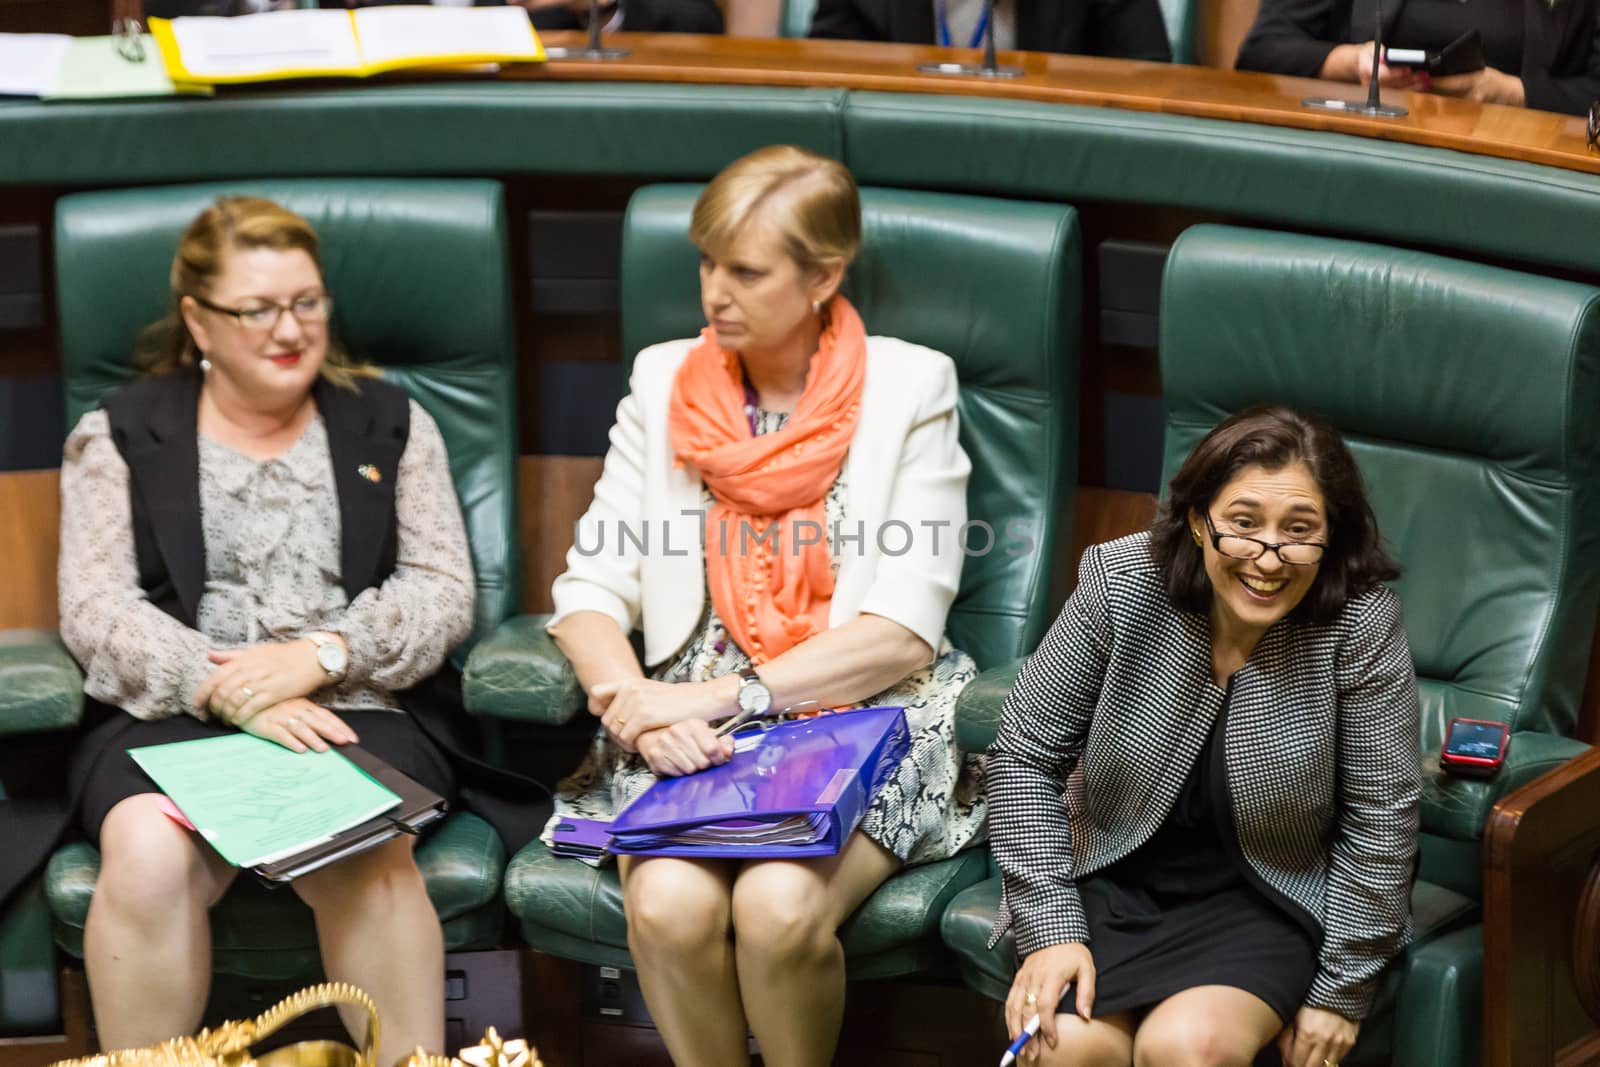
<point>1474,747</point>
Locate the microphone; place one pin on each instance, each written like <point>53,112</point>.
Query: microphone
<point>1373,107</point>
<point>989,68</point>
<point>595,51</point>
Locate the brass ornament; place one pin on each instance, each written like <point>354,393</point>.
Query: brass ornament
<point>229,1044</point>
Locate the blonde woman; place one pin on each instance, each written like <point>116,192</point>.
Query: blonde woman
<point>784,418</point>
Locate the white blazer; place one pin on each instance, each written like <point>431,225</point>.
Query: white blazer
<point>639,557</point>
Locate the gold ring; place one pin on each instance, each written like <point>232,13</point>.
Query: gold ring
<point>621,723</point>
<point>1330,1063</point>
<point>1030,1000</point>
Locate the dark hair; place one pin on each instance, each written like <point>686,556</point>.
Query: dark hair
<point>1274,436</point>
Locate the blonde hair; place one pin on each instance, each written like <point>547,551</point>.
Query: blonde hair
<point>230,224</point>
<point>812,199</point>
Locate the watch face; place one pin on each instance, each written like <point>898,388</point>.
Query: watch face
<point>754,698</point>
<point>332,658</point>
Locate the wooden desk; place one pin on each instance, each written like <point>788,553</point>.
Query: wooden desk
<point>1436,121</point>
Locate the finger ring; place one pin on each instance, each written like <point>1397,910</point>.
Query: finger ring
<point>247,691</point>
<point>1330,1063</point>
<point>621,723</point>
<point>294,720</point>
<point>1030,1000</point>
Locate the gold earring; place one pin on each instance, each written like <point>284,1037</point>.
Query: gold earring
<point>1196,532</point>
<point>816,307</point>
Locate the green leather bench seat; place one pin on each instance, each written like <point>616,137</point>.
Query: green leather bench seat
<point>1467,395</point>
<point>41,688</point>
<point>1327,182</point>
<point>268,934</point>
<point>569,909</point>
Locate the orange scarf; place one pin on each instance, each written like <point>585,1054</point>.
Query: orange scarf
<point>770,595</point>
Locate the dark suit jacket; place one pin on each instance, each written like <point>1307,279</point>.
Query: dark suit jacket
<point>1129,29</point>
<point>1560,44</point>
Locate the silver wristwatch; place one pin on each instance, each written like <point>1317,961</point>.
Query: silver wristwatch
<point>755,699</point>
<point>331,656</point>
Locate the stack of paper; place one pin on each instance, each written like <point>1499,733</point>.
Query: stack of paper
<point>257,802</point>
<point>54,66</point>
<point>320,44</point>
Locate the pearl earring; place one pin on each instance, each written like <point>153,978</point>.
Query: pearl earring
<point>205,364</point>
<point>816,307</point>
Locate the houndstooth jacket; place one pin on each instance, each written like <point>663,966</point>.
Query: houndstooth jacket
<point>1320,742</point>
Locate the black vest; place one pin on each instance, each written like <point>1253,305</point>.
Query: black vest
<point>154,426</point>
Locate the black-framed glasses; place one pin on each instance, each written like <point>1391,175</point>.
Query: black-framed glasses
<point>260,318</point>
<point>1593,129</point>
<point>1293,553</point>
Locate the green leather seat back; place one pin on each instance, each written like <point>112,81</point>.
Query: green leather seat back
<point>795,18</point>
<point>418,269</point>
<point>1468,395</point>
<point>994,284</point>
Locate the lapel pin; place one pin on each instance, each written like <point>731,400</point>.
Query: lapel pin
<point>370,473</point>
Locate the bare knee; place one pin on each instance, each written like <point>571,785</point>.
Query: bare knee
<point>673,912</point>
<point>1081,1044</point>
<point>1193,1042</point>
<point>371,880</point>
<point>783,920</point>
<point>149,864</point>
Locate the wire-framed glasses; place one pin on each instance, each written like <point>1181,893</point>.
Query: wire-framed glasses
<point>309,309</point>
<point>1237,546</point>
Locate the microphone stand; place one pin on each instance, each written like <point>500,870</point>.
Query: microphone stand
<point>1373,107</point>
<point>594,51</point>
<point>989,68</point>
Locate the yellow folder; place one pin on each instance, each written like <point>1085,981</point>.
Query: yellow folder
<point>334,43</point>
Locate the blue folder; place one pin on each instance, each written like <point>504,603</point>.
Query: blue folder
<point>798,789</point>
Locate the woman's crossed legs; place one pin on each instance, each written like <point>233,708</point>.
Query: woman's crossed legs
<point>780,974</point>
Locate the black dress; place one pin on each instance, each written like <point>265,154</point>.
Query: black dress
<point>1184,910</point>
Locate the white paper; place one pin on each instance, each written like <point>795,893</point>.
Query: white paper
<point>389,34</point>
<point>30,63</point>
<point>267,43</point>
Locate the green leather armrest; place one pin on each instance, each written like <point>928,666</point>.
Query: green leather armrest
<point>978,707</point>
<point>1454,805</point>
<point>518,673</point>
<point>40,687</point>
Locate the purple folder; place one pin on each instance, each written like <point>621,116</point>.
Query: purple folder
<point>799,789</point>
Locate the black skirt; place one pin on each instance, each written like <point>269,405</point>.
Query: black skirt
<point>103,775</point>
<point>1184,910</point>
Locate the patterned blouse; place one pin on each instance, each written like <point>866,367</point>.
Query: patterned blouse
<point>272,572</point>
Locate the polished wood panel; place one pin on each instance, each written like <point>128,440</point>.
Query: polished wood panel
<point>555,492</point>
<point>1223,26</point>
<point>1440,122</point>
<point>30,514</point>
<point>1539,849</point>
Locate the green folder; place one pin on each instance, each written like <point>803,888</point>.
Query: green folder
<point>255,801</point>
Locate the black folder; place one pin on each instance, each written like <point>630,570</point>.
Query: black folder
<point>418,807</point>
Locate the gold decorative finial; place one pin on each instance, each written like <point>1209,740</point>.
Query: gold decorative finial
<point>495,1051</point>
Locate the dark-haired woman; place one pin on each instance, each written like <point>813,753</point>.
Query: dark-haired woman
<point>1204,793</point>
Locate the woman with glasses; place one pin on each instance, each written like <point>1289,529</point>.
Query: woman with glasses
<point>1204,793</point>
<point>257,535</point>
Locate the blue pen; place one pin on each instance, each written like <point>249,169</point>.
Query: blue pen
<point>1023,1038</point>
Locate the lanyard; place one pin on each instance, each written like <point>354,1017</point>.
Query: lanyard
<point>944,26</point>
